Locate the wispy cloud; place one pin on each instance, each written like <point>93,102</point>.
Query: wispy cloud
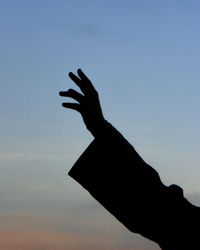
<point>31,156</point>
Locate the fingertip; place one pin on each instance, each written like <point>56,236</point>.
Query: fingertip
<point>70,74</point>
<point>82,74</point>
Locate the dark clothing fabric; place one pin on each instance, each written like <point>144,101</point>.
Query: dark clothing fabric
<point>116,176</point>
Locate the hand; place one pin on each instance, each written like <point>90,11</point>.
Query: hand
<point>88,103</point>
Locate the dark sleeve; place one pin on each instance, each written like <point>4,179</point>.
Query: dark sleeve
<point>117,177</point>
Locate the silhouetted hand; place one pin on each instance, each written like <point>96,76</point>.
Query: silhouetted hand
<point>88,103</point>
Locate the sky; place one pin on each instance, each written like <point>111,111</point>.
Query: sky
<point>143,59</point>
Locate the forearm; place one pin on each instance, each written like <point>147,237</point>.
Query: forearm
<point>116,176</point>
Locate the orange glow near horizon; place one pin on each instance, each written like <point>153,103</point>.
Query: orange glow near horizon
<point>43,240</point>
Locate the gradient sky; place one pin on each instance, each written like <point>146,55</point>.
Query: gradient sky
<point>143,58</point>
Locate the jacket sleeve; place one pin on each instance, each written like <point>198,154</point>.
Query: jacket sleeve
<point>117,177</point>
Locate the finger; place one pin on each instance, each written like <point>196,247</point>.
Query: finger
<point>74,106</point>
<point>74,78</point>
<point>73,94</point>
<point>82,75</point>
<point>78,82</point>
<point>88,85</point>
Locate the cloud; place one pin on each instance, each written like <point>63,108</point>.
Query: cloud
<point>10,156</point>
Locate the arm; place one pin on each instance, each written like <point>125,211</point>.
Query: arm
<point>116,176</point>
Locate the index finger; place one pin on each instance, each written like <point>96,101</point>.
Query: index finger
<point>77,81</point>
<point>82,75</point>
<point>84,83</point>
<point>87,81</point>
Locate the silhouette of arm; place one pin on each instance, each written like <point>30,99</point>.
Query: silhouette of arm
<point>131,190</point>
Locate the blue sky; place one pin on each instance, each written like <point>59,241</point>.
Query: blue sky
<point>143,58</point>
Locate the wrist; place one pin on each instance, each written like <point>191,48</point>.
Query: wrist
<point>98,128</point>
